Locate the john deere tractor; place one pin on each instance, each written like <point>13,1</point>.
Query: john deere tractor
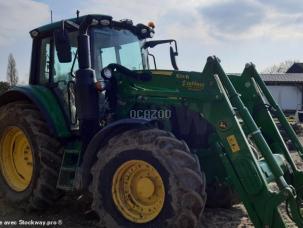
<point>152,147</point>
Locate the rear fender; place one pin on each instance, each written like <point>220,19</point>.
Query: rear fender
<point>45,101</point>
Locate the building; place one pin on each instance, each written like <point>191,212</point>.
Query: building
<point>295,68</point>
<point>287,89</point>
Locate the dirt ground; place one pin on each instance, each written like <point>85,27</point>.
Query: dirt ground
<point>70,212</point>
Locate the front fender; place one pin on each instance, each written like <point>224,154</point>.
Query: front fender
<point>83,176</point>
<point>45,101</point>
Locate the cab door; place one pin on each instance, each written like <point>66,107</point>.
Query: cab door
<point>60,77</point>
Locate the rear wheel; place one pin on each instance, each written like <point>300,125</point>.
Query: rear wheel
<point>30,158</point>
<point>16,158</point>
<point>147,178</point>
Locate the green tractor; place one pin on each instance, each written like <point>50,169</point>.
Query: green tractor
<point>152,147</point>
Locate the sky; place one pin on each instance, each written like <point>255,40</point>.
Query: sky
<point>237,31</point>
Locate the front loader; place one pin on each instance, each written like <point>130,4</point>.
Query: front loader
<point>152,147</point>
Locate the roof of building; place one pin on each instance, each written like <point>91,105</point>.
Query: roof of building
<point>286,78</point>
<point>295,68</point>
<point>283,78</point>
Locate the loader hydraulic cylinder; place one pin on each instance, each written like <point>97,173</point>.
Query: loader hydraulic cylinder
<point>255,132</point>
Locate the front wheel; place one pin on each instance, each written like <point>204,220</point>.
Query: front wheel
<point>147,178</point>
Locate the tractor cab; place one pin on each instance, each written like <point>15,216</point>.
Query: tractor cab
<point>58,53</point>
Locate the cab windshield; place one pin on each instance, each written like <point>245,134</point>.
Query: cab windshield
<point>116,46</point>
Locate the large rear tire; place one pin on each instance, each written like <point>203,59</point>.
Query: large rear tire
<point>147,178</point>
<point>30,157</point>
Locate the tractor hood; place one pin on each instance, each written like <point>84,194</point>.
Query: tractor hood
<point>163,83</point>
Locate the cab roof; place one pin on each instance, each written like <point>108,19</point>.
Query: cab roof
<point>79,20</point>
<point>141,30</point>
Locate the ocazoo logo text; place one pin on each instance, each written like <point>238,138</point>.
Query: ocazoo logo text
<point>150,114</point>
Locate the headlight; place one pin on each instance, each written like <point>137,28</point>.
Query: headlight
<point>104,22</point>
<point>94,22</point>
<point>107,73</point>
<point>34,33</point>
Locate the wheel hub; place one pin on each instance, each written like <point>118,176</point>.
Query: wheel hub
<point>16,159</point>
<point>138,191</point>
<point>145,188</point>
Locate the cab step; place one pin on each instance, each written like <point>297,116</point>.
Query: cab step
<point>68,169</point>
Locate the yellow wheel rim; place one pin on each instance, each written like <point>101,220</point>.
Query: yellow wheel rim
<point>138,191</point>
<point>16,159</point>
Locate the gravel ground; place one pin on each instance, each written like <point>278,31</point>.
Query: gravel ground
<point>72,212</point>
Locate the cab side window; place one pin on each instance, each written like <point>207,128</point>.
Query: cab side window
<point>63,72</point>
<point>63,77</point>
<point>45,61</point>
<point>60,75</point>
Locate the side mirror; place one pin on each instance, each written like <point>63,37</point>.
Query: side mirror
<point>63,46</point>
<point>173,55</point>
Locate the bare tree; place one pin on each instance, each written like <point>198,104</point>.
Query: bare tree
<point>279,68</point>
<point>4,86</point>
<point>12,73</point>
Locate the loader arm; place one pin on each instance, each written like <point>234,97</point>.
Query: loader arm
<point>262,197</point>
<point>238,157</point>
<point>245,137</point>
